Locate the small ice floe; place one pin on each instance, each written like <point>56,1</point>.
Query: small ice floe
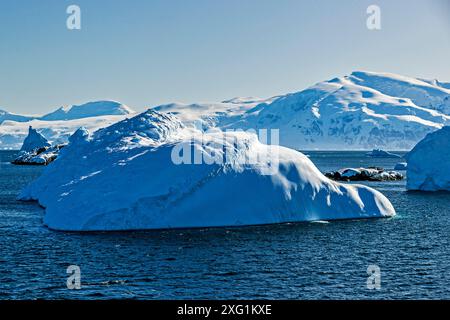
<point>364,174</point>
<point>321,222</point>
<point>401,166</point>
<point>378,153</point>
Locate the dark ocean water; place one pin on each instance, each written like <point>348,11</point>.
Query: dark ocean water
<point>294,261</point>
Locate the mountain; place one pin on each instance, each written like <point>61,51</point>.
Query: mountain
<point>12,134</point>
<point>57,126</point>
<point>431,94</point>
<point>360,111</point>
<point>212,114</point>
<point>90,109</point>
<point>5,115</point>
<point>364,110</point>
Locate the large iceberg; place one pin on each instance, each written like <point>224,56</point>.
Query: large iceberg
<point>429,163</point>
<point>152,172</point>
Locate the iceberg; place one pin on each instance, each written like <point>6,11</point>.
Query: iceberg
<point>128,176</point>
<point>34,141</point>
<point>378,153</point>
<point>429,163</point>
<point>401,166</point>
<point>36,150</point>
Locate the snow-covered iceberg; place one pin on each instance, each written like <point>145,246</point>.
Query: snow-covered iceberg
<point>128,176</point>
<point>34,141</point>
<point>36,150</point>
<point>429,163</point>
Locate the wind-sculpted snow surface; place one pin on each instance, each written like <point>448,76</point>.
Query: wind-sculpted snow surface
<point>128,176</point>
<point>429,163</point>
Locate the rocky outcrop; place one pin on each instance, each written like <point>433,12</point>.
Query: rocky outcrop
<point>364,174</point>
<point>41,156</point>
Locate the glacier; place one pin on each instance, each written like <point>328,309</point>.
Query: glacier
<point>428,163</point>
<point>124,177</point>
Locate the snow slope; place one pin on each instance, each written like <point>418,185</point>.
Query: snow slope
<point>428,166</point>
<point>430,94</point>
<point>124,177</point>
<point>207,115</point>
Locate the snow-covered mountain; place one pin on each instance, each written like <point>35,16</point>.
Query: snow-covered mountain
<point>87,110</point>
<point>212,114</point>
<point>57,126</point>
<point>12,134</point>
<point>5,115</point>
<point>364,110</point>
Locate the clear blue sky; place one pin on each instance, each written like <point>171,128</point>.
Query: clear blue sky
<point>148,52</point>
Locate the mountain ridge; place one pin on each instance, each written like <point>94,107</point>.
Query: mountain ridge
<point>360,111</point>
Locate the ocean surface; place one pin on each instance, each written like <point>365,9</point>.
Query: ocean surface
<point>291,261</point>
